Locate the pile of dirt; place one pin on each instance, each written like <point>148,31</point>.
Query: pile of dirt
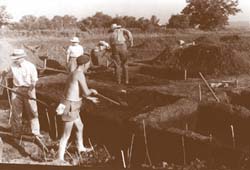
<point>211,57</point>
<point>173,115</point>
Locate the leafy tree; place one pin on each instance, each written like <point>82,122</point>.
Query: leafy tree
<point>154,20</point>
<point>99,20</point>
<point>4,16</point>
<point>178,21</point>
<point>69,22</point>
<point>28,22</point>
<point>57,22</point>
<point>210,14</point>
<point>43,22</point>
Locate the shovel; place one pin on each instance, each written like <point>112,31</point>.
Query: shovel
<point>112,101</point>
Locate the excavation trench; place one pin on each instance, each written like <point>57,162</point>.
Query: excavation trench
<point>113,126</point>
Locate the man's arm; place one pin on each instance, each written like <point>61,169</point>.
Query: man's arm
<point>129,35</point>
<point>34,79</point>
<point>83,85</point>
<point>67,56</point>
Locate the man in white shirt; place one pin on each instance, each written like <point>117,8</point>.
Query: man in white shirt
<point>75,50</point>
<point>25,76</point>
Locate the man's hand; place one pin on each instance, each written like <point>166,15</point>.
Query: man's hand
<point>93,91</point>
<point>30,94</point>
<point>93,99</point>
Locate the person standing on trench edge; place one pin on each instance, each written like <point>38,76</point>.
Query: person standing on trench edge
<point>119,49</point>
<point>75,50</point>
<point>24,76</point>
<point>76,88</point>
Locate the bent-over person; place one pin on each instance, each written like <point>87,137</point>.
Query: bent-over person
<point>76,88</point>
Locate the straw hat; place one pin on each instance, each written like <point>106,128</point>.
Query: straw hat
<point>115,26</point>
<point>18,53</point>
<point>75,40</point>
<point>103,43</point>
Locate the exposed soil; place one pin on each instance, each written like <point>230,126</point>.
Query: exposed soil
<point>158,95</point>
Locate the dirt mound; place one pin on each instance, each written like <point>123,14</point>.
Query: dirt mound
<point>173,115</point>
<point>230,38</point>
<point>209,56</point>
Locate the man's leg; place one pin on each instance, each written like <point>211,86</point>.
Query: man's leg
<point>79,133</point>
<point>32,111</point>
<point>118,69</point>
<point>124,63</point>
<point>72,64</point>
<point>16,118</point>
<point>64,139</point>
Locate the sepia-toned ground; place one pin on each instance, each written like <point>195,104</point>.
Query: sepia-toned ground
<point>169,106</point>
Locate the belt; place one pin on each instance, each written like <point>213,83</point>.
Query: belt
<point>21,87</point>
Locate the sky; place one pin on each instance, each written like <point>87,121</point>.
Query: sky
<point>163,9</point>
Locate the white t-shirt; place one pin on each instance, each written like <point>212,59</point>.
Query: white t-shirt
<point>75,50</point>
<point>25,74</point>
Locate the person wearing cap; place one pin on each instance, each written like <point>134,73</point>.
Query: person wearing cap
<point>76,88</point>
<point>25,76</point>
<point>97,54</point>
<point>119,47</point>
<point>75,50</point>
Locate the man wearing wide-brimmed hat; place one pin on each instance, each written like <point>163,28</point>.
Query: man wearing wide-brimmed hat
<point>118,41</point>
<point>75,50</point>
<point>25,76</point>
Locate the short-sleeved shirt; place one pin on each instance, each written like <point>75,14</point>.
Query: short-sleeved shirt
<point>75,50</point>
<point>25,74</point>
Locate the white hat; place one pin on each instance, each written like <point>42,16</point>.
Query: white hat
<point>18,53</point>
<point>103,43</point>
<point>114,26</point>
<point>75,40</point>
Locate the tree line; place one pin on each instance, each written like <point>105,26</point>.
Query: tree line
<point>202,14</point>
<point>69,22</point>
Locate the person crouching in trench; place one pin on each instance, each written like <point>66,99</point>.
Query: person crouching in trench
<point>70,107</point>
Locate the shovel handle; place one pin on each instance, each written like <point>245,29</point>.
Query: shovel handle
<point>108,99</point>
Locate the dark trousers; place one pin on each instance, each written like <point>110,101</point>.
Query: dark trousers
<point>120,57</point>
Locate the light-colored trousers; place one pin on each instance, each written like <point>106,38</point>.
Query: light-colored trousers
<point>72,64</point>
<point>66,134</point>
<point>22,105</point>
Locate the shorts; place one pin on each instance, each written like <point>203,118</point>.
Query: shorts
<point>72,110</point>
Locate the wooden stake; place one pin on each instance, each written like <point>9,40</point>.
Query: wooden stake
<point>233,137</point>
<point>185,74</point>
<point>184,150</point>
<point>131,150</point>
<point>56,128</point>
<point>186,126</point>
<point>48,119</point>
<point>9,100</point>
<point>211,90</point>
<point>123,159</point>
<point>210,138</point>
<point>200,97</point>
<point>21,139</point>
<point>91,144</point>
<point>107,151</point>
<point>146,144</point>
